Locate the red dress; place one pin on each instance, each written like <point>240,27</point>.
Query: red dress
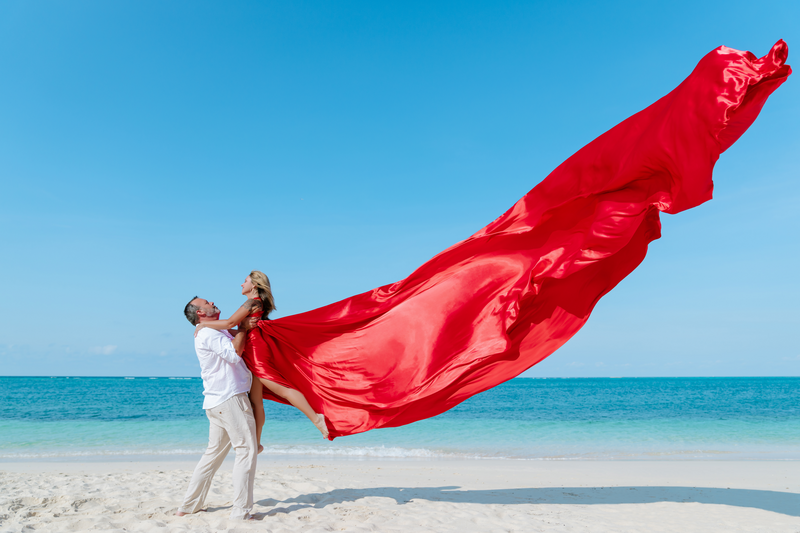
<point>497,303</point>
<point>258,359</point>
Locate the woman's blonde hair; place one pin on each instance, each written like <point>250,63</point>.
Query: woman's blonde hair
<point>261,283</point>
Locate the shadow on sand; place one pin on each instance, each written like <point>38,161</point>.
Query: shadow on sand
<point>777,502</point>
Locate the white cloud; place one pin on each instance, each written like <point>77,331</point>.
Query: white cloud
<point>104,350</point>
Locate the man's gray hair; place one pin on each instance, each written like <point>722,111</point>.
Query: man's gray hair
<point>191,312</point>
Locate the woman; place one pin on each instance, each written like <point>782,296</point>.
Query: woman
<point>260,304</point>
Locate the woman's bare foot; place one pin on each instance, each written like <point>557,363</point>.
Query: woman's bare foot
<point>320,423</point>
<point>260,448</point>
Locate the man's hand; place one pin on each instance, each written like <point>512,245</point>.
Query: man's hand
<point>249,323</point>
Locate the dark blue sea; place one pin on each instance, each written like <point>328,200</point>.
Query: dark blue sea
<point>532,419</point>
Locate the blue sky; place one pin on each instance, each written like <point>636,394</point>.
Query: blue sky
<point>152,151</point>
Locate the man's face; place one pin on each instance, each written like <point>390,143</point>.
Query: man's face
<point>206,309</point>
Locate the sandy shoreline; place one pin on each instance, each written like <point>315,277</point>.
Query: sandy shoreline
<point>308,494</point>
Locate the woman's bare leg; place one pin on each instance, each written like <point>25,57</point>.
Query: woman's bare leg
<point>296,398</point>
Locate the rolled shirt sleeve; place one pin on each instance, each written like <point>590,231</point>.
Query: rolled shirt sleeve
<point>223,347</point>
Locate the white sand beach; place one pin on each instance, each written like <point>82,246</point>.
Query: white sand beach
<point>409,496</point>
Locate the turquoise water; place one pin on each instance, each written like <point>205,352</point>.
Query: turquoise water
<point>593,418</point>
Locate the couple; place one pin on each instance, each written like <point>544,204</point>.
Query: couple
<point>226,358</point>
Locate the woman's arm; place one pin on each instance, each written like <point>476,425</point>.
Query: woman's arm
<point>233,321</point>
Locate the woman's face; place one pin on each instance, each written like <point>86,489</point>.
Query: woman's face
<point>247,286</point>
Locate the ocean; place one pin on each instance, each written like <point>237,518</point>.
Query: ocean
<point>748,418</point>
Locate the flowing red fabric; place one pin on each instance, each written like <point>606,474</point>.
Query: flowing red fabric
<point>497,303</point>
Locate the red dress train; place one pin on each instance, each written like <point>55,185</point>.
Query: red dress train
<point>497,303</point>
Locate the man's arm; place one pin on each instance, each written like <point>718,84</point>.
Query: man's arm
<point>238,341</point>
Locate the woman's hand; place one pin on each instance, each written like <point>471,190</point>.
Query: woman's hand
<point>198,328</point>
<point>249,323</point>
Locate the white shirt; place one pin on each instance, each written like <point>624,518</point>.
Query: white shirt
<point>224,373</point>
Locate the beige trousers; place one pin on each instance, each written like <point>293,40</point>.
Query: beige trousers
<point>231,425</point>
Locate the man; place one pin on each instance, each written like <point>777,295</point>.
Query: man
<point>226,383</point>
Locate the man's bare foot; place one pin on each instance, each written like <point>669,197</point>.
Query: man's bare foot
<point>181,513</point>
<point>320,423</point>
<point>260,448</point>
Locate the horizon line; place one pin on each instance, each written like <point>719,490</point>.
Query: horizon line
<point>123,376</point>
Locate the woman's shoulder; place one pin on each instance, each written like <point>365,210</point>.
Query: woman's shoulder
<point>253,305</point>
